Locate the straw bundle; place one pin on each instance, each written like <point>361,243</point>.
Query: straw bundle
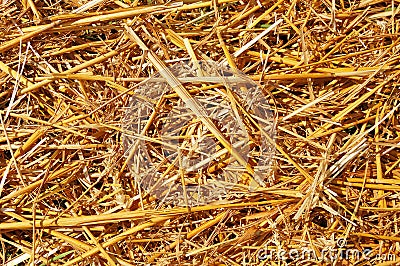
<point>73,73</point>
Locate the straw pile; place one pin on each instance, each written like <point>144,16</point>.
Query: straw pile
<point>69,69</point>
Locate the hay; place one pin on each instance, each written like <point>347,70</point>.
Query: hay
<point>71,193</point>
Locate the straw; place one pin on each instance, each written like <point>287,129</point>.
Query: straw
<point>315,166</point>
